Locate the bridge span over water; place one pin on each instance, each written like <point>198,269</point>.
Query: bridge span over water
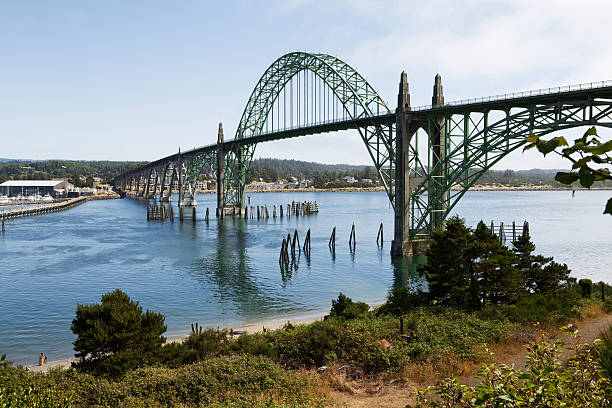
<point>304,94</point>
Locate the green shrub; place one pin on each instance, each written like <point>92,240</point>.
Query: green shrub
<point>400,300</point>
<point>226,381</point>
<point>345,308</point>
<point>198,346</point>
<point>604,352</point>
<point>545,383</point>
<point>586,287</point>
<point>116,335</point>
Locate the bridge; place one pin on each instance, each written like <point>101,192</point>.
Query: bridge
<point>305,94</point>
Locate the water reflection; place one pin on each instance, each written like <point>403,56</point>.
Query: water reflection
<point>406,275</point>
<point>229,267</point>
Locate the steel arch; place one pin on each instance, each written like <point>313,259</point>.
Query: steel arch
<point>358,98</point>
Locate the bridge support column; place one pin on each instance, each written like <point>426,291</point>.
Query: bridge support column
<point>220,173</point>
<point>401,244</point>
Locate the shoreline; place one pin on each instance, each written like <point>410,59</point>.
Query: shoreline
<point>253,327</point>
<point>249,327</point>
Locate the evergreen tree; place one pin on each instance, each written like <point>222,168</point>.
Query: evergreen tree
<point>528,264</point>
<point>446,271</point>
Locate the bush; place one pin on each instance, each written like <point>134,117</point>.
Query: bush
<point>586,287</point>
<point>400,300</point>
<point>542,308</point>
<point>226,381</point>
<point>345,308</point>
<point>199,345</point>
<point>116,335</point>
<point>604,352</point>
<point>545,383</point>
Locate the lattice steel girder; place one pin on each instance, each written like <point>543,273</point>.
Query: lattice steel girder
<point>358,99</point>
<point>474,145</point>
<point>192,166</point>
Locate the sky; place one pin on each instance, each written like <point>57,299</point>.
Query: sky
<point>117,80</point>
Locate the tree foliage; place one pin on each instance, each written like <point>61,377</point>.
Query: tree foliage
<point>116,332</point>
<point>471,268</point>
<point>590,156</point>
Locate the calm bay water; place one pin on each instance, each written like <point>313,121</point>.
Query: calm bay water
<point>227,273</point>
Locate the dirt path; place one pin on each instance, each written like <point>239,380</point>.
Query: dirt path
<point>394,396</point>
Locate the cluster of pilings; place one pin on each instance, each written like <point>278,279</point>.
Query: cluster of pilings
<point>505,231</point>
<point>158,212</point>
<point>288,245</point>
<point>295,208</point>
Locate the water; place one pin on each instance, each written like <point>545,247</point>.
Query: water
<point>227,273</point>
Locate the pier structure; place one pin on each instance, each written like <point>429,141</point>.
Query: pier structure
<point>303,94</point>
<point>28,210</point>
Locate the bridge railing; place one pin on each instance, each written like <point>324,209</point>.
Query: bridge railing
<point>523,94</point>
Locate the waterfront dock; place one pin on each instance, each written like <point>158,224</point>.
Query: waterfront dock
<point>41,209</point>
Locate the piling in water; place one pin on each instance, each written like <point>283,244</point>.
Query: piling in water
<point>352,238</point>
<point>380,235</point>
<point>332,240</point>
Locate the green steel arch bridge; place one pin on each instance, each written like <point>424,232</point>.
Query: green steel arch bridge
<point>304,94</point>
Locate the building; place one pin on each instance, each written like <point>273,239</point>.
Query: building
<point>13,188</point>
<point>263,186</point>
<point>349,179</point>
<point>366,181</point>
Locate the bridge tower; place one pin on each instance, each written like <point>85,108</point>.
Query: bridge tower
<point>406,242</point>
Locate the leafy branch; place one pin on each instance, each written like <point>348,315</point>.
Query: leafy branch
<point>590,157</point>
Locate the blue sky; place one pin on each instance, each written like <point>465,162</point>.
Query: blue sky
<point>137,80</point>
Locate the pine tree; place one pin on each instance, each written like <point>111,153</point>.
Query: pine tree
<point>528,264</point>
<point>446,271</point>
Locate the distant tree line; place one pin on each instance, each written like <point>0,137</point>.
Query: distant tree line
<point>64,169</point>
<point>268,170</point>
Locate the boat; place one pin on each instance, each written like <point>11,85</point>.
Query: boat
<point>4,199</point>
<point>46,198</point>
<point>31,198</point>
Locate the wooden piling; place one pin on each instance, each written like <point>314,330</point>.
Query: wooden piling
<point>274,211</point>
<point>380,234</point>
<point>207,217</point>
<point>352,237</point>
<point>332,240</point>
<point>307,243</point>
<point>281,257</point>
<point>180,214</point>
<point>296,238</point>
<point>3,225</point>
<point>513,231</point>
<point>281,210</point>
<point>193,214</point>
